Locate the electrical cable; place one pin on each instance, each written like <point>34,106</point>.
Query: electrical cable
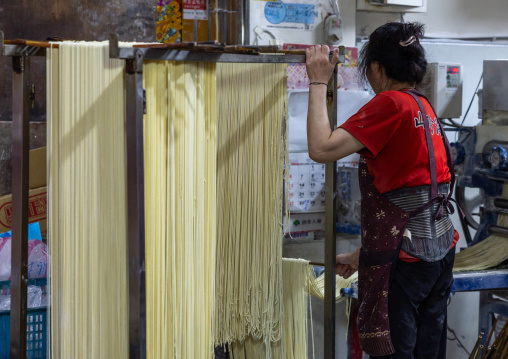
<point>454,334</point>
<point>457,339</point>
<point>453,123</point>
<point>472,98</point>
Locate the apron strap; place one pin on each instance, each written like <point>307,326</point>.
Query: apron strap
<point>443,200</point>
<point>430,146</point>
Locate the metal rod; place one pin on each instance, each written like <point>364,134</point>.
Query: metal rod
<point>240,30</point>
<point>500,231</point>
<point>491,333</point>
<point>114,50</point>
<point>31,43</point>
<point>246,23</point>
<point>501,203</point>
<point>473,352</point>
<point>223,21</point>
<point>191,56</point>
<point>209,12</point>
<point>135,206</point>
<point>19,250</point>
<point>318,264</point>
<point>500,339</point>
<point>170,46</point>
<point>195,24</point>
<point>330,240</point>
<point>479,352</point>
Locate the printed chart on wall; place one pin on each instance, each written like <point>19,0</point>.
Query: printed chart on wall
<point>291,15</point>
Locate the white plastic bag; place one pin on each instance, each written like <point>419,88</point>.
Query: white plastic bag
<point>5,259</point>
<point>34,296</point>
<point>37,259</point>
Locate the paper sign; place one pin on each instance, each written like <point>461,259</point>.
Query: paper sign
<point>306,222</point>
<point>195,10</point>
<point>297,15</point>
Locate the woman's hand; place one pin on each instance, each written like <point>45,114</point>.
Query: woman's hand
<point>347,263</point>
<point>319,65</point>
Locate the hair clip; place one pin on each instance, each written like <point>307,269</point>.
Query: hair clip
<point>407,42</point>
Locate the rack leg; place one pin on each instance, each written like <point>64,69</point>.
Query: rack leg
<point>19,253</point>
<point>136,206</point>
<point>330,241</point>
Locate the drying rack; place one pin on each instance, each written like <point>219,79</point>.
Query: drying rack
<point>21,51</point>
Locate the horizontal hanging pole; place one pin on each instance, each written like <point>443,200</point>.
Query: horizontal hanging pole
<point>211,51</point>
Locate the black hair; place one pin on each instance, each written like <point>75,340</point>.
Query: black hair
<point>401,63</point>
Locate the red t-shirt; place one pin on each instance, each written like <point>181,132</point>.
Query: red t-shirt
<point>390,126</point>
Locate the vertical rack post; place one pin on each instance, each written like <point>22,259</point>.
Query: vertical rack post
<point>134,110</point>
<point>19,252</point>
<point>223,16</point>
<point>240,29</point>
<point>246,23</point>
<point>330,230</point>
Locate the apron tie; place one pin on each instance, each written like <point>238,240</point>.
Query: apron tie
<point>445,202</point>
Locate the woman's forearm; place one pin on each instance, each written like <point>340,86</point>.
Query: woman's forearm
<point>318,124</point>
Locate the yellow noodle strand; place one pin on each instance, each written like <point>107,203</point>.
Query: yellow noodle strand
<point>87,196</point>
<point>488,253</point>
<point>299,282</point>
<point>180,192</point>
<point>250,170</point>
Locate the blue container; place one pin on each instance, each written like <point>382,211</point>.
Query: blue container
<point>36,327</point>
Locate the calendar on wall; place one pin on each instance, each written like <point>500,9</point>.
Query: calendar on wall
<point>306,184</point>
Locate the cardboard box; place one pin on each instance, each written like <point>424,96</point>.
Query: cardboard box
<point>37,210</point>
<point>37,195</point>
<point>37,168</point>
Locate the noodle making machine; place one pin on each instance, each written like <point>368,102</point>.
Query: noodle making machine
<point>481,165</point>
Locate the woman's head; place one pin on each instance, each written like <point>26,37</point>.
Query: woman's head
<point>395,48</point>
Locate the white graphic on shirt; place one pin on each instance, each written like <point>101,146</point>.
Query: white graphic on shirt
<point>433,124</point>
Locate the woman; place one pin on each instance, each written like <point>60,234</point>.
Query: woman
<point>406,179</point>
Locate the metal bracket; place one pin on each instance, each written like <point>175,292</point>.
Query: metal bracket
<point>114,51</point>
<point>1,43</point>
<point>135,64</point>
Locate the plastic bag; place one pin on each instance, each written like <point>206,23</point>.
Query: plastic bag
<point>34,297</point>
<point>5,302</point>
<point>5,258</point>
<point>37,259</point>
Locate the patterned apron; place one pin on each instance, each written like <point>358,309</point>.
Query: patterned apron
<point>383,225</point>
